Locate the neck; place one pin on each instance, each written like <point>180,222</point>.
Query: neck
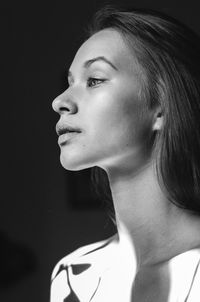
<point>150,227</point>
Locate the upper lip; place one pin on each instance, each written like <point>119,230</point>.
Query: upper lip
<point>64,128</point>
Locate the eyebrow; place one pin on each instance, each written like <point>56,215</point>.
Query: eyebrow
<point>88,63</point>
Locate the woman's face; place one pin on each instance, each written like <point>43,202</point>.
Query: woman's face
<point>103,101</point>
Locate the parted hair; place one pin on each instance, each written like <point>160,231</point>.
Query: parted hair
<point>168,53</point>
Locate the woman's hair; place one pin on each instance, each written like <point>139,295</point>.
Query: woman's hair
<point>168,53</point>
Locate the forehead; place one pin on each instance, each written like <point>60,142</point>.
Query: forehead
<point>108,43</point>
<point>105,40</point>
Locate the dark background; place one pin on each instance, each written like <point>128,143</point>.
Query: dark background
<point>38,222</point>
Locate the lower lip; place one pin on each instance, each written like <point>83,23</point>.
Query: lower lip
<point>64,138</point>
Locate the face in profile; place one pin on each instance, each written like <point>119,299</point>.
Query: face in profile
<point>104,102</point>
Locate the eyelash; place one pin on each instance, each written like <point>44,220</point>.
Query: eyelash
<point>90,80</point>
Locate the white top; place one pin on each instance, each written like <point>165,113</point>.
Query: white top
<point>92,273</point>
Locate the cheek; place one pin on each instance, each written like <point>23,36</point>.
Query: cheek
<point>115,114</point>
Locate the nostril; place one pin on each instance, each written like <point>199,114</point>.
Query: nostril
<point>64,108</point>
<point>64,104</point>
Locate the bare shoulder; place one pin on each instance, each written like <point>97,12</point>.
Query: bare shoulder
<point>195,284</point>
<point>82,255</point>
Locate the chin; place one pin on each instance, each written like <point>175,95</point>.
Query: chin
<point>73,165</point>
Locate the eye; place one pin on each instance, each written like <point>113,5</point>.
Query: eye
<point>91,82</point>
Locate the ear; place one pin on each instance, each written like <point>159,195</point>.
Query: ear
<point>158,120</point>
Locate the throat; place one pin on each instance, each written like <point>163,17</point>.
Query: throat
<point>156,242</point>
<point>152,282</point>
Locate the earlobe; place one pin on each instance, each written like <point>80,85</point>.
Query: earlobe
<point>158,121</point>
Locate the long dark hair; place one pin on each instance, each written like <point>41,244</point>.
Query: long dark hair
<point>169,55</point>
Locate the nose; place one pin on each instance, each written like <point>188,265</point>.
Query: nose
<point>64,103</point>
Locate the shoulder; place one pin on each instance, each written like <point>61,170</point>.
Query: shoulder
<point>194,292</point>
<point>185,276</point>
<point>85,254</point>
<point>76,276</point>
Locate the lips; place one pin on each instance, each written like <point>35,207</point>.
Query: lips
<point>62,129</point>
<point>66,132</point>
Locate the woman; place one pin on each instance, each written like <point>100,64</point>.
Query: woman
<point>132,109</point>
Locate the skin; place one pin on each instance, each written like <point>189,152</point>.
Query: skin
<point>116,131</point>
